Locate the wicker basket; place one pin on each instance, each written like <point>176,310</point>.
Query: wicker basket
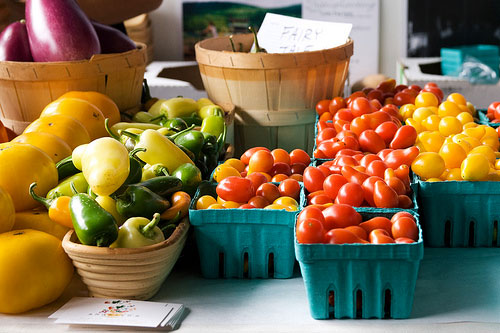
<point>126,273</point>
<point>27,87</point>
<point>274,93</point>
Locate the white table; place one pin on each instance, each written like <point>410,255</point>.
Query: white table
<point>458,290</point>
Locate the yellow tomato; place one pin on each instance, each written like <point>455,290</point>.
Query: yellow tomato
<point>88,114</point>
<point>431,141</point>
<point>448,108</point>
<point>434,180</point>
<point>39,219</point>
<point>475,167</point>
<point>453,154</point>
<point>286,201</point>
<point>457,98</point>
<point>34,270</point>
<point>22,164</point>
<point>281,207</point>
<point>428,165</point>
<point>472,141</point>
<point>415,124</point>
<point>8,215</point>
<point>215,206</point>
<point>431,123</point>
<point>104,103</point>
<point>67,128</point>
<point>471,108</point>
<point>422,113</point>
<point>223,171</point>
<point>406,111</point>
<point>492,142</point>
<point>494,176</point>
<point>235,163</point>
<point>454,174</point>
<point>475,132</point>
<point>465,145</point>
<point>426,99</point>
<point>465,118</point>
<point>470,125</point>
<point>51,144</point>
<point>205,201</point>
<point>231,204</point>
<point>450,125</point>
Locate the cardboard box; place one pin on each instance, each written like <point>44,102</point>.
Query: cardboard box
<point>167,79</point>
<point>423,70</point>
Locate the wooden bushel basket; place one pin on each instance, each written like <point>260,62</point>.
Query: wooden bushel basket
<point>136,273</point>
<point>27,87</point>
<point>275,94</point>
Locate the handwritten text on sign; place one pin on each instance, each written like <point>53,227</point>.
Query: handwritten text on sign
<point>284,34</point>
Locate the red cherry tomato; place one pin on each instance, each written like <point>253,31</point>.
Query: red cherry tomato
<point>327,133</point>
<point>368,186</point>
<point>398,215</point>
<point>358,231</point>
<point>405,227</point>
<point>376,94</point>
<point>311,212</point>
<point>360,106</point>
<point>280,168</point>
<point>387,85</point>
<point>290,188</point>
<point>350,194</point>
<point>378,222</point>
<point>236,189</point>
<point>320,199</point>
<point>340,216</point>
<point>384,196</point>
<point>298,168</point>
<point>257,179</point>
<point>322,106</point>
<point>376,168</point>
<point>386,131</point>
<point>313,179</point>
<point>310,231</point>
<point>404,97</point>
<point>352,175</point>
<point>404,201</point>
<point>332,184</point>
<point>336,104</point>
<point>405,137</point>
<point>299,156</point>
<point>245,158</point>
<point>342,236</point>
<point>380,236</point>
<point>258,201</point>
<point>359,125</point>
<point>397,185</point>
<point>368,158</point>
<point>370,141</point>
<point>269,191</point>
<point>404,240</point>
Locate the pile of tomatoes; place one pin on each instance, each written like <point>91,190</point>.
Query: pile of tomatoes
<point>342,224</point>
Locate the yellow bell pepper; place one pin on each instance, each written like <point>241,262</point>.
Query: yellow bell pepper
<point>105,165</point>
<point>7,217</point>
<point>34,270</point>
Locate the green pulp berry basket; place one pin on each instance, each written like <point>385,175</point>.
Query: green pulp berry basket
<point>243,243</point>
<point>459,213</point>
<point>360,280</point>
<point>483,119</point>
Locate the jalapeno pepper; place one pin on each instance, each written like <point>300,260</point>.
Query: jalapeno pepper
<point>140,201</point>
<point>66,168</point>
<point>57,207</point>
<point>138,232</point>
<point>192,140</point>
<point>163,185</point>
<point>93,224</point>
<point>190,176</point>
<point>64,187</point>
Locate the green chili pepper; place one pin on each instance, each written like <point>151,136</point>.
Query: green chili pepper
<point>64,187</point>
<point>213,125</point>
<point>139,232</point>
<point>66,168</point>
<point>192,119</point>
<point>177,124</point>
<point>192,140</point>
<point>163,185</point>
<point>190,176</point>
<point>140,201</point>
<point>93,224</point>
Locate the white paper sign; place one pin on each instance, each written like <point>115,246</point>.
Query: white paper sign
<point>285,34</point>
<point>364,16</point>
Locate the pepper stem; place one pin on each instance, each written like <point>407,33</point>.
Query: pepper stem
<point>73,188</point>
<point>147,230</point>
<point>46,202</point>
<point>162,116</point>
<point>108,129</point>
<point>173,136</point>
<point>133,154</point>
<point>133,136</point>
<point>100,242</point>
<point>232,43</point>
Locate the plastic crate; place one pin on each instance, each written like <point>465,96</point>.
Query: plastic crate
<point>230,239</point>
<point>364,280</point>
<point>453,58</point>
<point>484,120</point>
<point>459,213</point>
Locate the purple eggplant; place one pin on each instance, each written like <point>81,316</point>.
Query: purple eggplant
<point>14,43</point>
<point>112,40</point>
<point>58,30</point>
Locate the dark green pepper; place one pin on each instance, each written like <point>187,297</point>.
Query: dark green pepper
<point>163,185</point>
<point>66,168</point>
<point>64,187</point>
<point>93,225</point>
<point>192,140</point>
<point>135,173</point>
<point>193,119</point>
<point>177,124</point>
<point>190,176</point>
<point>140,201</point>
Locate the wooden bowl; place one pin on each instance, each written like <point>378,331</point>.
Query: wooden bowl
<point>27,87</point>
<point>136,273</point>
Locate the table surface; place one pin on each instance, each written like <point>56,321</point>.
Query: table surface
<point>457,291</point>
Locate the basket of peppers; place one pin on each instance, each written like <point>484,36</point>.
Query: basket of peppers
<point>128,211</point>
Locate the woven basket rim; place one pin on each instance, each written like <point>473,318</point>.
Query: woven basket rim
<point>71,245</point>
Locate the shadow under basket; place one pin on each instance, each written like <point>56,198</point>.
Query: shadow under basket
<point>27,87</point>
<point>129,273</point>
<point>275,94</point>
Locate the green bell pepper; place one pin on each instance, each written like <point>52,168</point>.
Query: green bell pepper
<point>139,232</point>
<point>140,201</point>
<point>190,176</point>
<point>64,187</point>
<point>93,224</point>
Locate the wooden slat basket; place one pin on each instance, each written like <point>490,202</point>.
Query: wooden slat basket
<point>136,273</point>
<point>27,87</point>
<point>274,93</point>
